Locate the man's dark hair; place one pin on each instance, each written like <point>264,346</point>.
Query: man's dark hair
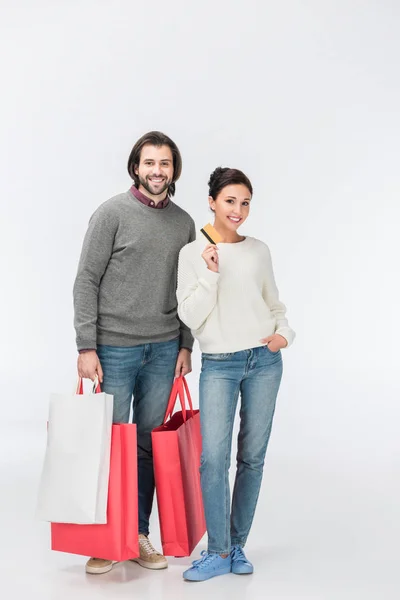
<point>155,138</point>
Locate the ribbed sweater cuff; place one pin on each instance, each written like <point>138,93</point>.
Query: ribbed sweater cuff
<point>287,333</point>
<point>86,345</point>
<point>186,340</point>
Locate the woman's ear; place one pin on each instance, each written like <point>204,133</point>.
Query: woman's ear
<point>211,202</point>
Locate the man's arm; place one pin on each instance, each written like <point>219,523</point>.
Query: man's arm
<point>184,361</point>
<point>96,253</point>
<point>186,339</point>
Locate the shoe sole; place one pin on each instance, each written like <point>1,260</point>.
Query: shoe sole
<point>99,570</point>
<point>239,572</point>
<point>148,565</point>
<point>224,572</point>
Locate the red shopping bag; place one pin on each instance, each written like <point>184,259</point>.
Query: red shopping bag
<point>118,540</point>
<point>176,457</point>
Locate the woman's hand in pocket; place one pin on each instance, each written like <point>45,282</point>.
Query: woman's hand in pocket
<point>275,342</point>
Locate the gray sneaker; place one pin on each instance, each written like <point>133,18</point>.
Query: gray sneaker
<point>149,557</point>
<point>98,566</point>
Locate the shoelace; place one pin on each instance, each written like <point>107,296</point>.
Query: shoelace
<point>205,560</point>
<point>238,554</point>
<point>146,544</point>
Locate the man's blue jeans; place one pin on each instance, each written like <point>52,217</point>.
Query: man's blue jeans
<point>256,374</point>
<point>146,372</point>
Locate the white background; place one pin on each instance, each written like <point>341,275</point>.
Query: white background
<point>304,97</point>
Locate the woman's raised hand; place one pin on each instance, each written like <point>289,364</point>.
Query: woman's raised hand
<point>210,255</point>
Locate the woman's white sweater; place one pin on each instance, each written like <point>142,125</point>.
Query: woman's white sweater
<point>234,309</point>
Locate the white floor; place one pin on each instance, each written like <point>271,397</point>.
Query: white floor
<point>326,534</point>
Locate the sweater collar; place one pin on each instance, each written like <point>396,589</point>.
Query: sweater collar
<point>148,201</point>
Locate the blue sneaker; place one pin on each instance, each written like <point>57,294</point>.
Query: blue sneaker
<point>240,564</point>
<point>209,565</point>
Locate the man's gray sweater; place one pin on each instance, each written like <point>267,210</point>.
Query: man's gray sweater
<point>125,289</point>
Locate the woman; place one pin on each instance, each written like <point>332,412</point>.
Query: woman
<point>228,297</point>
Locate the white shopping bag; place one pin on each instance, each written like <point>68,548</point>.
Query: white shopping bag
<point>74,483</point>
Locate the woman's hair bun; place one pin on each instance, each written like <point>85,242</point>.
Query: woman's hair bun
<point>215,175</point>
<point>223,176</point>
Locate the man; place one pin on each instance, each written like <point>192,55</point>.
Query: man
<point>127,329</point>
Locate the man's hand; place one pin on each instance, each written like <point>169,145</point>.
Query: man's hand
<point>275,342</point>
<point>89,366</point>
<point>183,363</point>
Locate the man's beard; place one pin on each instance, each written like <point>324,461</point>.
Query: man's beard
<point>154,191</point>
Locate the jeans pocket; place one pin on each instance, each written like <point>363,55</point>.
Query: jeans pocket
<point>270,351</point>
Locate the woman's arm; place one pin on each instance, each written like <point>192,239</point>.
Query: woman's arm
<point>197,295</point>
<point>271,296</point>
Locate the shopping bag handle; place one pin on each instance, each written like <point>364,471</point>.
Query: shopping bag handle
<point>179,388</point>
<point>95,390</point>
<point>172,401</point>
<point>189,397</point>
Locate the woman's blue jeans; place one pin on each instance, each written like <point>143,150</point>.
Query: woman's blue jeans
<point>255,374</point>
